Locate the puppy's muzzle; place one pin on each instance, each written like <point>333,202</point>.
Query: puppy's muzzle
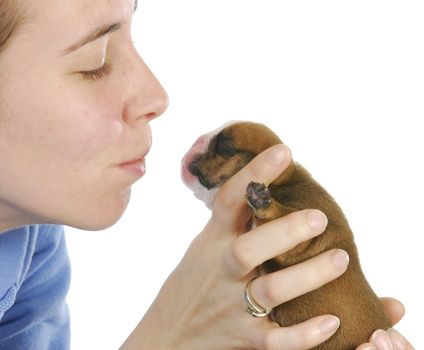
<point>194,170</point>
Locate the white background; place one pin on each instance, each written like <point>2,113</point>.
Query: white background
<point>341,82</point>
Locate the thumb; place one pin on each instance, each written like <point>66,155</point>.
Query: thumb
<point>394,309</point>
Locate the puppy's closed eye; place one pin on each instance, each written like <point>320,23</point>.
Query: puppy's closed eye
<point>224,146</point>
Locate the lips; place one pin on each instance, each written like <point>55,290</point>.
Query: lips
<point>136,165</point>
<point>135,159</point>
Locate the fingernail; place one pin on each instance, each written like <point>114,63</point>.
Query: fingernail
<point>398,340</point>
<point>382,340</point>
<point>329,325</point>
<point>316,219</point>
<point>277,155</point>
<point>340,259</point>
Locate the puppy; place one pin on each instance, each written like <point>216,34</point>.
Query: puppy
<point>214,159</point>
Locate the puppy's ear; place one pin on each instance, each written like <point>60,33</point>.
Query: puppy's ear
<point>251,137</point>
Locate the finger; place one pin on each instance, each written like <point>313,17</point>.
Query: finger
<point>399,341</point>
<point>230,204</point>
<point>272,239</point>
<point>381,340</point>
<point>276,288</point>
<point>304,335</point>
<point>393,309</point>
<point>366,346</point>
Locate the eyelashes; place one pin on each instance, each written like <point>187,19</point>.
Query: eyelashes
<point>98,73</point>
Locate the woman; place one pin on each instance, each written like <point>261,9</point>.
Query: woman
<point>75,105</point>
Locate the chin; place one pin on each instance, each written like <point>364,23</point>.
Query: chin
<point>92,223</point>
<point>95,225</point>
<point>101,216</point>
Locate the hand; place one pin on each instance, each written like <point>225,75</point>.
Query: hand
<point>201,304</point>
<point>391,339</point>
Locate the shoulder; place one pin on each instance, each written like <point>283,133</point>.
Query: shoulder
<point>25,252</point>
<point>33,292</point>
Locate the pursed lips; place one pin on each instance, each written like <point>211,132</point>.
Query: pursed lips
<point>136,158</point>
<point>136,165</point>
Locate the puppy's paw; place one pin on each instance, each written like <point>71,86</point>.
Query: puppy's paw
<point>258,196</point>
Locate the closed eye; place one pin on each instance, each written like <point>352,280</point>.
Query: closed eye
<point>98,73</point>
<point>224,147</point>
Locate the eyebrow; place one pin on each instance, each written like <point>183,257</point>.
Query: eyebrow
<point>92,36</point>
<point>95,34</point>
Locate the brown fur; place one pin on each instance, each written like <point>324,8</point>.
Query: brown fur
<point>349,297</point>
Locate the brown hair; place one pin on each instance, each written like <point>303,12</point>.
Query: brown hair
<point>10,19</point>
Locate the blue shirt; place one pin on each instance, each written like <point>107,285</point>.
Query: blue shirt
<point>34,281</point>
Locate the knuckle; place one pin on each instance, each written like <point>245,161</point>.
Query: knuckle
<point>224,199</point>
<point>317,274</point>
<point>301,339</point>
<point>271,341</point>
<point>324,269</point>
<point>243,254</point>
<point>272,290</point>
<point>255,173</point>
<point>296,230</point>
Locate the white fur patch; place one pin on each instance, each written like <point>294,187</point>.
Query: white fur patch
<point>205,195</point>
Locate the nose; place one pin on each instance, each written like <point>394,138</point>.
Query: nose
<point>146,98</point>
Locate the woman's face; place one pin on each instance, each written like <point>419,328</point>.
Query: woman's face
<point>64,132</point>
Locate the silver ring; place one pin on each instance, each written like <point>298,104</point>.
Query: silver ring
<point>253,308</point>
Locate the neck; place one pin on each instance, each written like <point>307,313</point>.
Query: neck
<point>12,217</point>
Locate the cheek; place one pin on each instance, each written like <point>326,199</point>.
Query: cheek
<point>65,146</point>
<point>76,130</point>
<point>55,124</point>
<point>87,132</point>
<point>66,151</point>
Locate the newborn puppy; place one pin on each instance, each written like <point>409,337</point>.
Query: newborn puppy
<point>214,159</point>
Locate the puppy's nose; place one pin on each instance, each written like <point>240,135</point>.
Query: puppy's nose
<point>193,166</point>
<point>194,170</point>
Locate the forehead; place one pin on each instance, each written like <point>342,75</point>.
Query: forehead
<point>76,10</point>
<point>63,21</point>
